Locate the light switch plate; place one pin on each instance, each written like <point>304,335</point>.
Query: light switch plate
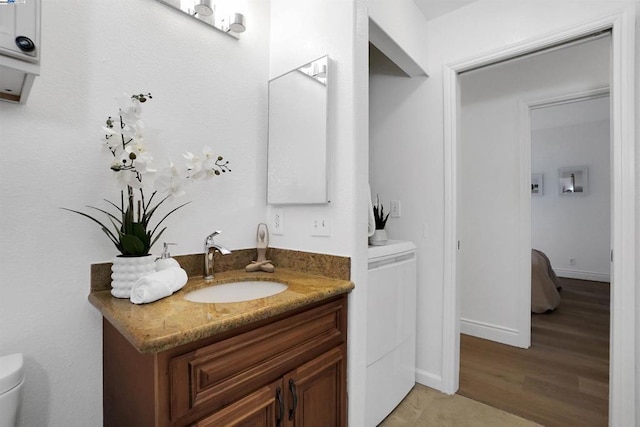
<point>395,209</point>
<point>321,227</point>
<point>277,225</point>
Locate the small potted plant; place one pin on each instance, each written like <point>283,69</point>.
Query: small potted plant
<point>379,237</point>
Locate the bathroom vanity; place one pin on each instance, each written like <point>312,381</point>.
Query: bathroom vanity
<point>275,361</point>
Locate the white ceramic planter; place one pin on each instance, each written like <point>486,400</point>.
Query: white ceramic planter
<point>379,238</point>
<point>125,271</point>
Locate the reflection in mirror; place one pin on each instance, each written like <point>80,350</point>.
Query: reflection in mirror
<point>297,153</point>
<point>229,22</point>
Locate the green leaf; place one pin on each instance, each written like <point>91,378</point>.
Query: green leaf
<point>165,217</point>
<point>110,236</point>
<point>131,245</point>
<point>141,233</point>
<point>147,214</point>
<point>102,226</point>
<point>138,230</point>
<point>127,222</point>
<point>109,214</point>
<point>157,237</point>
<point>115,206</point>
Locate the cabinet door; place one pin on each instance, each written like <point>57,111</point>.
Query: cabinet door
<point>263,408</point>
<point>213,376</point>
<point>316,392</point>
<point>20,20</point>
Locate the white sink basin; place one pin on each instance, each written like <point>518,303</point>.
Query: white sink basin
<point>236,291</point>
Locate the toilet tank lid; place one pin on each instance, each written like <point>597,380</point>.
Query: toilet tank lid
<point>11,371</point>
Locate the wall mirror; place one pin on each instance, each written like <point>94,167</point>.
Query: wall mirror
<point>297,153</point>
<point>228,21</point>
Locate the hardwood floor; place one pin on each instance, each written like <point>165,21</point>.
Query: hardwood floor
<point>563,378</point>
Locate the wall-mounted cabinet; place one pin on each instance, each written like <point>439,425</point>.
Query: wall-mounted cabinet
<point>297,153</point>
<point>19,49</point>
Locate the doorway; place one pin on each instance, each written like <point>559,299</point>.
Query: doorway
<point>622,348</point>
<point>494,200</point>
<point>562,379</point>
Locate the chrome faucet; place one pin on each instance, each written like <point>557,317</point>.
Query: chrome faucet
<point>209,250</point>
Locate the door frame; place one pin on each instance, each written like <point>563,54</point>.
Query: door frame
<point>622,396</point>
<point>524,118</point>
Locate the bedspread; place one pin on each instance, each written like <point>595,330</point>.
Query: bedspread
<point>544,284</point>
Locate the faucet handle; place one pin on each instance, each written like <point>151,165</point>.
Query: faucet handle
<point>209,239</point>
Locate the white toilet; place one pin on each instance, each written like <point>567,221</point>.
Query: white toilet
<point>11,381</point>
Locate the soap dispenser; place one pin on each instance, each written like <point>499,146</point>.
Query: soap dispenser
<point>165,261</point>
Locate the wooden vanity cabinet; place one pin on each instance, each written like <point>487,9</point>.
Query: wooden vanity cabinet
<point>313,395</point>
<point>286,371</point>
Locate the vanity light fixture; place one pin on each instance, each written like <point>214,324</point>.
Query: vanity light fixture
<point>204,8</point>
<point>317,70</point>
<point>236,23</point>
<point>206,12</point>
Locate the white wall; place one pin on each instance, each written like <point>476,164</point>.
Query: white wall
<point>338,29</point>
<point>320,28</point>
<point>481,27</point>
<point>399,160</point>
<point>573,227</point>
<point>208,88</point>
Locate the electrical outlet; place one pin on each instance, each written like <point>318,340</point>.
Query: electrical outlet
<point>395,209</point>
<point>321,227</point>
<point>277,226</point>
<point>572,261</point>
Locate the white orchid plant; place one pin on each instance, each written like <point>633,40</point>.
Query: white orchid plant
<point>130,228</point>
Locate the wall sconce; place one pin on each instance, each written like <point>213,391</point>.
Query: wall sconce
<point>205,11</point>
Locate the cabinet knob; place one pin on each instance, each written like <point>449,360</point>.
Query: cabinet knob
<point>25,44</point>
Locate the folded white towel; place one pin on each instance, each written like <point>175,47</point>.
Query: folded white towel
<point>160,284</point>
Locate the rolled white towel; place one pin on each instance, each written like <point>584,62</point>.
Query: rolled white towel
<point>155,286</point>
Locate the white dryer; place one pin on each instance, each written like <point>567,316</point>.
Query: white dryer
<point>391,327</point>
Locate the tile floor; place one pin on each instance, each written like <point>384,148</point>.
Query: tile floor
<point>425,407</point>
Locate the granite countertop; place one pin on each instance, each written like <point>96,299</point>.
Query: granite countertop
<point>173,321</point>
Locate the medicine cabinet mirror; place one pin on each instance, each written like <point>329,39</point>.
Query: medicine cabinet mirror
<point>297,153</point>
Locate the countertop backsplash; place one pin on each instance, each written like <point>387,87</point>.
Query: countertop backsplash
<point>333,266</point>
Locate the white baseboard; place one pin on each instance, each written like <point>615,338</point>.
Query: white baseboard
<point>491,332</point>
<point>429,379</point>
<point>583,275</point>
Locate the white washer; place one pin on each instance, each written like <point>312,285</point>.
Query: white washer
<point>391,328</point>
<point>11,381</point>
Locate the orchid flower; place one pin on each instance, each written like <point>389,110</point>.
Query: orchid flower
<point>130,229</point>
